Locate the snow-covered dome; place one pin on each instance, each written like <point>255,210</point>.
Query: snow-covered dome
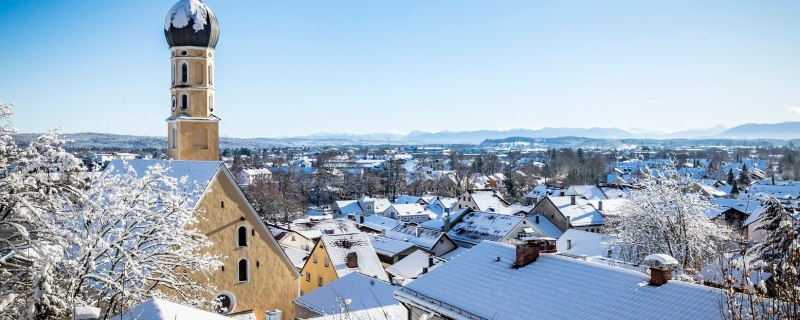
<point>191,23</point>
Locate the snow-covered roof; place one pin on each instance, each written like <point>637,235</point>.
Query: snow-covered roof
<point>585,243</point>
<point>582,213</point>
<point>340,245</point>
<point>420,237</point>
<point>340,226</point>
<point>478,226</point>
<point>486,199</point>
<point>349,207</point>
<point>297,256</point>
<point>588,192</point>
<point>411,209</point>
<point>357,293</point>
<point>411,266</point>
<point>751,207</point>
<point>389,247</point>
<point>157,309</point>
<point>545,226</point>
<point>378,223</point>
<point>185,11</point>
<point>406,199</point>
<point>777,191</point>
<point>198,174</point>
<point>455,253</point>
<point>468,284</point>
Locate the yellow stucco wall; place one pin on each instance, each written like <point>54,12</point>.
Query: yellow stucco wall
<point>272,283</point>
<point>187,132</point>
<point>317,269</point>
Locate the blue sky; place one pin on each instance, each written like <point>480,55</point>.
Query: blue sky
<point>300,67</point>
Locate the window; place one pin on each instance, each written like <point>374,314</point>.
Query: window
<point>319,281</point>
<point>174,136</point>
<point>223,303</point>
<point>315,258</point>
<point>243,274</point>
<point>326,261</point>
<point>242,239</point>
<point>210,75</point>
<point>184,73</point>
<point>222,204</point>
<point>308,276</point>
<point>173,74</point>
<point>211,102</point>
<point>293,239</point>
<point>184,102</point>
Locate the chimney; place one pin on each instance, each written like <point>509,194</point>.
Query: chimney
<point>660,275</point>
<point>383,232</point>
<point>527,252</point>
<point>600,205</point>
<point>446,223</point>
<point>352,260</point>
<point>424,270</point>
<point>562,193</point>
<point>417,231</point>
<point>430,261</point>
<point>572,200</point>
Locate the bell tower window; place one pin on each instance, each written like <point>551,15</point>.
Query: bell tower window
<point>210,75</point>
<point>184,73</point>
<point>211,102</point>
<point>184,102</point>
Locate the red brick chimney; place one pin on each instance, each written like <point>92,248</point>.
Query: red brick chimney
<point>660,275</point>
<point>527,252</point>
<point>352,260</point>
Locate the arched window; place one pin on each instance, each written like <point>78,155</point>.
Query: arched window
<point>174,136</point>
<point>242,238</point>
<point>184,102</point>
<point>210,75</point>
<point>243,274</point>
<point>211,102</point>
<point>173,74</point>
<point>184,73</point>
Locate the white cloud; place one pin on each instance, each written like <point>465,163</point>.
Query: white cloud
<point>794,110</point>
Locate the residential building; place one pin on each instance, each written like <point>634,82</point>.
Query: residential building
<point>476,226</point>
<point>353,296</point>
<point>335,256</point>
<point>481,200</point>
<point>472,286</point>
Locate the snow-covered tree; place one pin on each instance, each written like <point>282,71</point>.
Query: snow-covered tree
<point>107,239</point>
<point>776,261</point>
<point>661,218</point>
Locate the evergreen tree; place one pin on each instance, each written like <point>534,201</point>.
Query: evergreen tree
<point>734,189</point>
<point>731,177</point>
<point>744,176</point>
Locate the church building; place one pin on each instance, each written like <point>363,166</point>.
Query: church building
<point>256,280</point>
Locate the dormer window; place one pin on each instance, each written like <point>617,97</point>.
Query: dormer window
<point>242,237</point>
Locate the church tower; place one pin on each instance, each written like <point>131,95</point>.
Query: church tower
<point>192,32</point>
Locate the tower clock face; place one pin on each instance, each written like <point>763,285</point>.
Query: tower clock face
<point>174,103</point>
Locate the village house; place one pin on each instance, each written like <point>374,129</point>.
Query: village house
<point>413,266</point>
<point>335,256</point>
<point>469,287</point>
<point>481,200</point>
<point>353,296</point>
<point>474,227</point>
<point>432,241</point>
<point>390,251</point>
<point>412,212</point>
<point>247,177</point>
<point>572,212</point>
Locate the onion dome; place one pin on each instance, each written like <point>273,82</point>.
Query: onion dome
<point>191,23</point>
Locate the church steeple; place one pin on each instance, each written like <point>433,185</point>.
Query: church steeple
<point>192,32</point>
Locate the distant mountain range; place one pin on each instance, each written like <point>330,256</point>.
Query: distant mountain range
<point>750,131</point>
<point>781,131</point>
